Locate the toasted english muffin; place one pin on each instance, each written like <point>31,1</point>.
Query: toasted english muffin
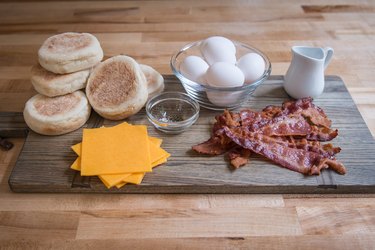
<point>56,115</point>
<point>51,84</point>
<point>70,52</point>
<point>117,88</point>
<point>155,81</point>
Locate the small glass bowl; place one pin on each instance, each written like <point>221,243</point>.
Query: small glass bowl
<point>215,98</point>
<point>172,112</point>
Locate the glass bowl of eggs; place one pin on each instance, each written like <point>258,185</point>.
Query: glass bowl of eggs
<point>219,73</point>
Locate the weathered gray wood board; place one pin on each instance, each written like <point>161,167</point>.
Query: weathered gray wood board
<point>43,165</point>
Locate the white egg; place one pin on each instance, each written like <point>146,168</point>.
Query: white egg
<point>252,66</point>
<point>224,75</point>
<point>218,49</point>
<point>219,39</point>
<point>223,99</point>
<point>194,68</point>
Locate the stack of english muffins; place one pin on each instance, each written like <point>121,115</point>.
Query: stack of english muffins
<point>65,61</point>
<point>115,88</point>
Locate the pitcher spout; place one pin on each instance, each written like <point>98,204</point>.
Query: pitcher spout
<point>312,53</point>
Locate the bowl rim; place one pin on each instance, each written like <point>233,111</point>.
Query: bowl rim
<point>178,96</point>
<point>254,84</point>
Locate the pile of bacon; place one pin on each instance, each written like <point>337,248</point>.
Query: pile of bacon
<point>289,135</point>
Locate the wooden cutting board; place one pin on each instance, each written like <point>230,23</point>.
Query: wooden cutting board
<point>43,164</point>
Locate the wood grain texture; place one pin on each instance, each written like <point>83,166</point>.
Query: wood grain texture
<point>351,220</point>
<point>150,31</point>
<point>43,165</point>
<point>186,223</point>
<point>27,225</point>
<point>308,242</point>
<point>13,125</point>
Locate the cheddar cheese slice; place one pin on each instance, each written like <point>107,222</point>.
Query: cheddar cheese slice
<point>118,179</point>
<point>156,154</point>
<point>113,179</point>
<point>156,141</point>
<point>105,183</point>
<point>137,178</point>
<point>76,164</point>
<point>77,148</point>
<point>121,184</point>
<point>121,149</point>
<point>102,139</point>
<point>160,161</point>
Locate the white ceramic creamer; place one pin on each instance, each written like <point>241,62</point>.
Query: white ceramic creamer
<point>305,75</point>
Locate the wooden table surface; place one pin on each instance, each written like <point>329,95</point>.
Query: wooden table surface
<point>150,31</point>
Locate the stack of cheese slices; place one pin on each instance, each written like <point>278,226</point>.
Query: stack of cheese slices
<point>65,61</point>
<point>118,155</point>
<point>116,88</point>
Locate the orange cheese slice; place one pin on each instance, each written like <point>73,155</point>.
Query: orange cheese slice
<point>121,149</point>
<point>121,184</point>
<point>76,164</point>
<point>156,141</point>
<point>156,153</point>
<point>119,180</point>
<point>77,148</point>
<point>157,157</point>
<point>137,178</point>
<point>161,161</point>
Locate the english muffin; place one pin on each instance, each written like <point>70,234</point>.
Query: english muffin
<point>117,88</point>
<point>70,52</point>
<point>51,84</point>
<point>155,81</point>
<point>56,115</point>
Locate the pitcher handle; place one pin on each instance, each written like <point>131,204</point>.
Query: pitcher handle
<point>328,51</point>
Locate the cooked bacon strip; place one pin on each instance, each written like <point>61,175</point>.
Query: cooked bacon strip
<point>306,108</point>
<point>326,150</point>
<point>287,126</point>
<point>330,149</point>
<point>219,143</point>
<point>322,134</point>
<point>328,163</point>
<point>299,160</point>
<point>239,156</point>
<point>271,111</point>
<point>253,120</point>
<point>228,119</point>
<point>213,146</point>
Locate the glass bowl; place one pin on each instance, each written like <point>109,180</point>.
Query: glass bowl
<point>216,98</point>
<point>172,112</point>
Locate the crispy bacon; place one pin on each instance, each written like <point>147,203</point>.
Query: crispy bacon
<point>213,146</point>
<point>287,126</point>
<point>239,156</point>
<point>322,134</point>
<point>299,160</point>
<point>271,111</point>
<point>326,150</point>
<point>275,126</point>
<point>289,135</point>
<point>219,143</point>
<point>306,108</point>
